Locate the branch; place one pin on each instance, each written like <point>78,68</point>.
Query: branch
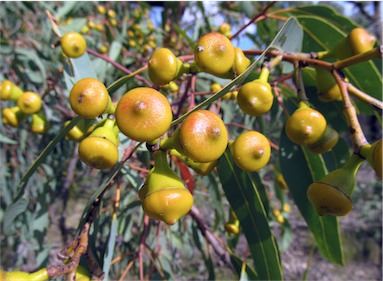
<point>218,245</point>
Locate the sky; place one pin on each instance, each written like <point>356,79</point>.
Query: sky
<point>212,8</point>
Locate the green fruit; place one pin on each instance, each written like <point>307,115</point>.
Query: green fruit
<point>214,54</point>
<point>255,98</point>
<point>332,194</point>
<point>143,114</point>
<point>40,123</point>
<point>251,151</point>
<point>373,154</point>
<point>327,86</point>
<point>163,194</point>
<point>306,125</point>
<point>326,142</point>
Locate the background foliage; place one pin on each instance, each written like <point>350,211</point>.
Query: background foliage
<point>47,194</point>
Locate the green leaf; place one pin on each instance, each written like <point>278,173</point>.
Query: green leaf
<point>300,168</point>
<point>110,247</point>
<point>11,214</point>
<point>238,265</point>
<point>322,31</point>
<point>243,196</point>
<point>16,208</point>
<point>7,140</point>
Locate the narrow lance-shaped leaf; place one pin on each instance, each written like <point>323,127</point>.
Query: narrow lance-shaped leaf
<point>243,196</point>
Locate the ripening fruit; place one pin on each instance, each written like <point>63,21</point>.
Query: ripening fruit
<point>40,275</point>
<point>9,91</point>
<point>215,87</point>
<point>327,87</point>
<point>12,116</point>
<point>214,54</point>
<point>73,44</point>
<point>40,123</point>
<point>99,149</point>
<point>164,196</point>
<point>203,136</point>
<point>232,228</point>
<point>280,181</point>
<point>255,98</point>
<point>143,114</point>
<point>163,66</point>
<point>241,62</point>
<point>332,194</point>
<point>361,40</point>
<point>251,151</point>
<point>29,103</point>
<point>326,143</point>
<point>89,98</point>
<point>82,274</point>
<point>373,154</point>
<point>225,29</point>
<point>306,125</point>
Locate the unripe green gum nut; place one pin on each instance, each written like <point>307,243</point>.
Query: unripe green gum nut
<point>332,194</point>
<point>327,87</point>
<point>326,142</point>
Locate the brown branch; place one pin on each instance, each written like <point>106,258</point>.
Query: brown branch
<point>119,66</point>
<point>349,111</point>
<point>218,245</point>
<point>374,103</point>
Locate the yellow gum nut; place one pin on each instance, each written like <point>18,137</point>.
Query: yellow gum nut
<point>214,54</point>
<point>143,114</point>
<point>29,103</point>
<point>251,151</point>
<point>361,40</point>
<point>305,126</point>
<point>329,200</point>
<point>163,66</point>
<point>255,98</point>
<point>73,44</point>
<point>241,62</point>
<point>373,154</point>
<point>98,152</point>
<point>89,98</point>
<point>12,116</point>
<point>231,228</point>
<point>168,204</point>
<point>203,136</point>
<point>9,91</point>
<point>5,90</point>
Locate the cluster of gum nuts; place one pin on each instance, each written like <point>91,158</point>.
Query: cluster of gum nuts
<point>27,104</point>
<point>144,114</point>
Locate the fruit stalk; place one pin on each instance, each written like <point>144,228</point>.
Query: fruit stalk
<point>375,53</point>
<point>358,137</point>
<point>374,103</point>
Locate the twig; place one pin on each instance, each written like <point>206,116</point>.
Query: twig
<point>374,103</point>
<point>218,246</point>
<point>119,66</point>
<point>258,17</point>
<point>375,53</point>
<point>349,111</point>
